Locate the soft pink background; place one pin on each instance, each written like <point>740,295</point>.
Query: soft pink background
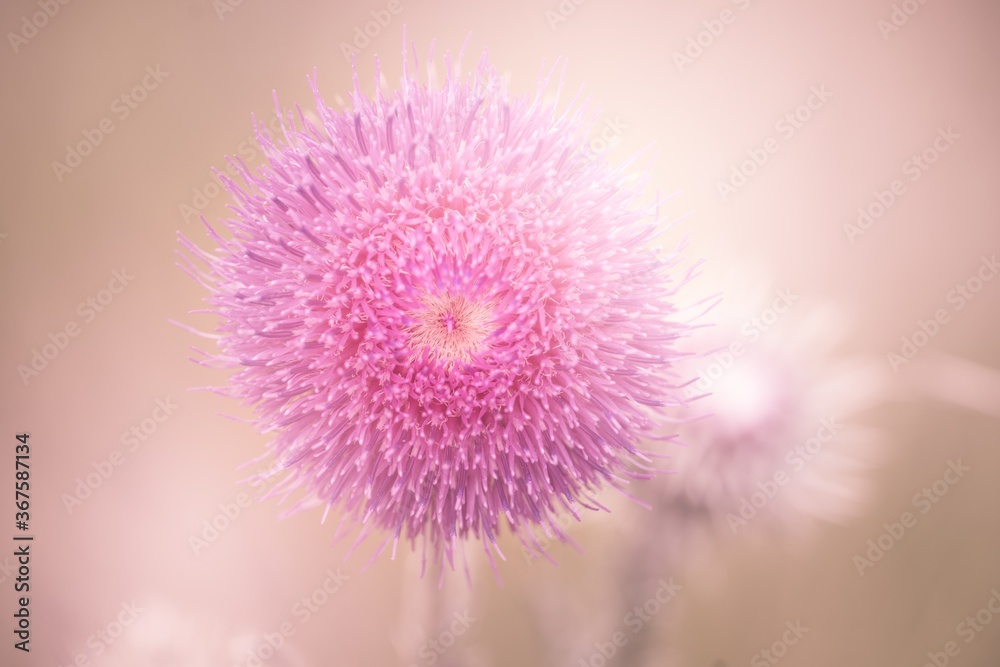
<point>120,210</point>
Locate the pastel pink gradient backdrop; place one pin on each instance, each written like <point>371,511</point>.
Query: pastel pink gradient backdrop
<point>120,210</point>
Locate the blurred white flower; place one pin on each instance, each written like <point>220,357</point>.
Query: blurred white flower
<point>162,636</point>
<point>779,442</point>
<point>780,438</point>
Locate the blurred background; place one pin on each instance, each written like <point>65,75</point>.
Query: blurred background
<point>839,161</point>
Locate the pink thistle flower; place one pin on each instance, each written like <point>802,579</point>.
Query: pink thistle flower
<point>445,311</point>
<point>785,438</point>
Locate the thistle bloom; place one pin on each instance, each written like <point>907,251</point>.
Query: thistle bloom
<point>445,311</point>
<point>782,439</point>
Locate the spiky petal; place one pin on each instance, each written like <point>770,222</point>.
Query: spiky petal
<point>445,312</point>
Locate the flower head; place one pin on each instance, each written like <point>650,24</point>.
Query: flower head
<point>445,311</point>
<point>782,439</point>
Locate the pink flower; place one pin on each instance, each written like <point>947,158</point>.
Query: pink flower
<point>785,440</point>
<point>445,311</point>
